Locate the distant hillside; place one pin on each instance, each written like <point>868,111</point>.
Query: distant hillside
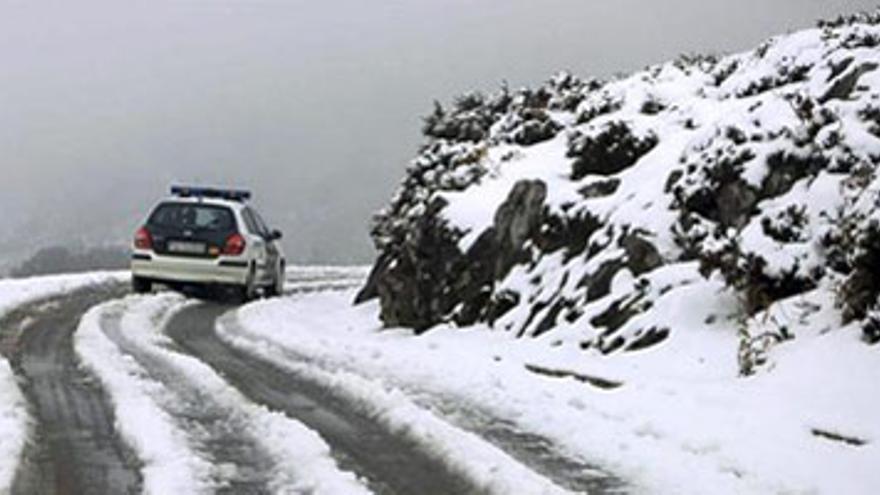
<point>607,211</point>
<point>60,259</point>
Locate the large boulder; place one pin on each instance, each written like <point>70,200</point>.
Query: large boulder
<point>517,220</point>
<point>427,279</point>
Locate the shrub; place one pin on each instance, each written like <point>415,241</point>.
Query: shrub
<point>862,287</point>
<point>613,149</point>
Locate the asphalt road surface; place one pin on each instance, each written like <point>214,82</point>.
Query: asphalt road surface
<point>75,449</point>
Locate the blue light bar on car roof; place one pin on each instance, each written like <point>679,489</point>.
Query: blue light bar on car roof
<point>210,192</point>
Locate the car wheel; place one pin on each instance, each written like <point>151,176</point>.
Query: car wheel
<point>248,291</point>
<point>140,285</point>
<point>277,287</point>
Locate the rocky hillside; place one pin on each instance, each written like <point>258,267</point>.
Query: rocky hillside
<point>594,208</point>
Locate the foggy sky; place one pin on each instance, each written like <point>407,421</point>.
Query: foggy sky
<point>315,106</point>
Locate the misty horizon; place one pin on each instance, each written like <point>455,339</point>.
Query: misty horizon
<point>315,108</point>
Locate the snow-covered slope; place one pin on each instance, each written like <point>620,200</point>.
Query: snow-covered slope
<point>700,242</point>
<point>702,198</point>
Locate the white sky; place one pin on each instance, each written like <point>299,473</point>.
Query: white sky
<point>315,105</point>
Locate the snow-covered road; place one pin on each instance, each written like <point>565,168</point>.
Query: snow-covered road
<point>140,394</point>
<point>106,392</point>
<point>73,447</point>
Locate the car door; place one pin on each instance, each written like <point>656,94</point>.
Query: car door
<point>252,218</point>
<point>271,243</point>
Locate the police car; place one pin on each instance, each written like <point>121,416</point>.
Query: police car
<point>210,237</point>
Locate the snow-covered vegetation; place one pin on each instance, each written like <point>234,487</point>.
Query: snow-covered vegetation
<point>63,259</point>
<point>583,208</point>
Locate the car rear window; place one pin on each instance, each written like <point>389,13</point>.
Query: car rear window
<point>193,216</point>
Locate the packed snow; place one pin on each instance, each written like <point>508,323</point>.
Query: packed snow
<point>489,469</point>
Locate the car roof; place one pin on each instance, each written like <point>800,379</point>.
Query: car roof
<point>235,205</point>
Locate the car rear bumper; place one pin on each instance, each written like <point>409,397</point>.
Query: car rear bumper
<point>189,270</point>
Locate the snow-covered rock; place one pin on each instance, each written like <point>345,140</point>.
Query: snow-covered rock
<point>579,206</point>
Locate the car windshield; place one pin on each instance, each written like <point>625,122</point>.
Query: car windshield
<point>193,216</point>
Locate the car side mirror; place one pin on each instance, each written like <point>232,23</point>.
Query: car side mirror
<point>275,235</point>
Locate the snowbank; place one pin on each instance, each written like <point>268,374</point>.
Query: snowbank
<point>19,291</point>
<point>325,272</point>
<point>675,421</point>
<point>13,426</point>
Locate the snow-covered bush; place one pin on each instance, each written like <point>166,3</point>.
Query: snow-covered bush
<point>607,150</point>
<point>586,208</point>
<point>861,289</point>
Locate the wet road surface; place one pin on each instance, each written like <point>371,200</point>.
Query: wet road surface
<point>390,465</point>
<point>220,432</point>
<point>74,448</point>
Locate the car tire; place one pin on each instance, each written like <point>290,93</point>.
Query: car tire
<point>248,291</point>
<point>140,285</point>
<point>277,287</point>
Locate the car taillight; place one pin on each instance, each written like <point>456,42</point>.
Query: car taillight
<point>235,245</point>
<point>143,239</point>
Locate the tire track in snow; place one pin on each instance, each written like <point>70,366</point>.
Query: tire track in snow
<point>238,463</point>
<point>532,450</point>
<point>474,465</point>
<point>248,449</point>
<point>73,446</point>
<point>487,468</point>
<point>392,463</point>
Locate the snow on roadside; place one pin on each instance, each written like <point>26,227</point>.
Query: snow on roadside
<point>690,428</point>
<point>301,459</point>
<point>13,426</point>
<point>487,467</point>
<point>14,418</point>
<point>332,272</point>
<point>15,292</point>
<point>316,278</point>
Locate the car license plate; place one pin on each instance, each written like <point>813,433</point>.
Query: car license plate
<point>186,247</point>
